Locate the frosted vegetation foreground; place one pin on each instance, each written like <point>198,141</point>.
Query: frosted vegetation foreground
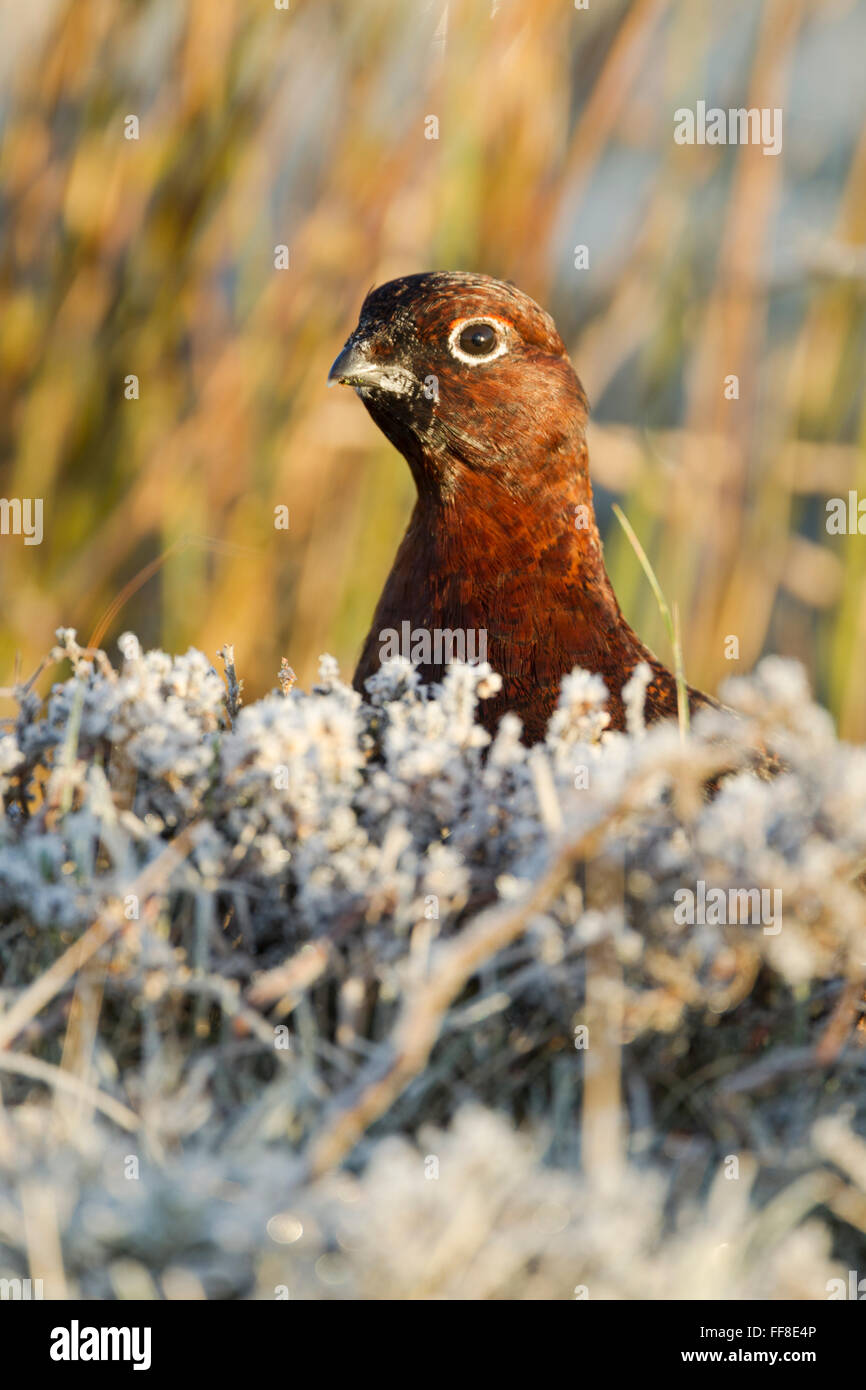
<point>321,998</point>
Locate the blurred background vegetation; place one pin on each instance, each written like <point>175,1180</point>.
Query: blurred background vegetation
<point>305,127</point>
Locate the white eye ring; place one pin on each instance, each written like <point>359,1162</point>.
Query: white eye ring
<point>473,359</point>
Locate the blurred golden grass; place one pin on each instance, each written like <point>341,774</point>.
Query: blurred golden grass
<point>262,127</point>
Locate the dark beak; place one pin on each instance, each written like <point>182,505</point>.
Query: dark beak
<point>355,367</point>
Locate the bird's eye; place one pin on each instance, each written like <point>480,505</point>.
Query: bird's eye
<point>477,340</point>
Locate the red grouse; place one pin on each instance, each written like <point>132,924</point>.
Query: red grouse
<point>470,380</point>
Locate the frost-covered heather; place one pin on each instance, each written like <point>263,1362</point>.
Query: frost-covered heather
<point>238,951</point>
